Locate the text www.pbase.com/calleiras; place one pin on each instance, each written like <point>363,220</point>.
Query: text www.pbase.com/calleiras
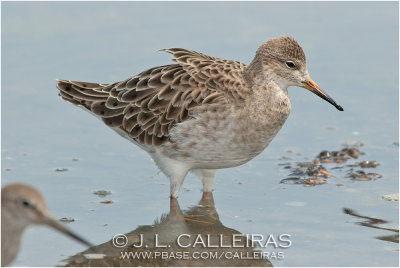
<point>201,255</point>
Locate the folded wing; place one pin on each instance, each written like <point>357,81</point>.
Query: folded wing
<point>148,105</point>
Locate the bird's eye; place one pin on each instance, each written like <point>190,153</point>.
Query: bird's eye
<point>290,64</point>
<point>26,203</point>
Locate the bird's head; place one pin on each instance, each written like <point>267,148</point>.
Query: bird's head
<point>283,60</point>
<point>22,205</point>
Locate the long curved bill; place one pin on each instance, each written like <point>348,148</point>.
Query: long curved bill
<point>50,221</point>
<point>310,85</point>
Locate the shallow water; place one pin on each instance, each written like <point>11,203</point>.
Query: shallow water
<point>353,57</point>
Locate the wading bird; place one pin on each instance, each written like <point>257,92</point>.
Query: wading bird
<point>202,113</point>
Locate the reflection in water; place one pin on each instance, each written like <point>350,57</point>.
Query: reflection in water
<point>372,223</point>
<point>195,237</point>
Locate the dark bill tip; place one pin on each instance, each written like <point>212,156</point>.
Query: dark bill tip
<point>58,226</point>
<point>310,85</point>
<point>339,107</point>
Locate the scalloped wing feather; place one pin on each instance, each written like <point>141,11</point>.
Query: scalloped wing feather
<point>148,105</point>
<point>221,75</point>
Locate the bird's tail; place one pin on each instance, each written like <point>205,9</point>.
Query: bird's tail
<point>82,93</point>
<point>95,98</point>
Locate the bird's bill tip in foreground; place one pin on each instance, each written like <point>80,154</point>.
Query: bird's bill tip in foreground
<point>310,85</point>
<point>53,223</point>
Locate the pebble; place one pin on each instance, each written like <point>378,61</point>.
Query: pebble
<point>94,256</point>
<point>102,193</point>
<point>324,155</point>
<point>314,181</point>
<point>314,172</point>
<point>309,169</point>
<point>61,169</point>
<point>306,182</point>
<point>361,175</point>
<point>390,197</point>
<point>368,164</point>
<point>67,219</point>
<point>338,156</point>
<point>352,152</point>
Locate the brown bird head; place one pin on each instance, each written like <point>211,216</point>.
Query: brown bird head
<point>283,60</point>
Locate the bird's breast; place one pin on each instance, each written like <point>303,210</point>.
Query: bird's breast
<point>227,135</point>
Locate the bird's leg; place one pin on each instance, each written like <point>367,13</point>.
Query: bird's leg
<point>176,177</point>
<point>176,184</point>
<point>207,177</point>
<point>176,172</point>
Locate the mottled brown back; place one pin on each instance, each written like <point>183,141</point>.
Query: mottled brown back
<point>148,105</point>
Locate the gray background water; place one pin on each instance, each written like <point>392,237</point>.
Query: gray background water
<point>352,53</point>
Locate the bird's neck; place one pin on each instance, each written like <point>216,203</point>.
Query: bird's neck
<point>10,240</point>
<point>251,71</point>
<point>256,77</point>
<point>269,99</point>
